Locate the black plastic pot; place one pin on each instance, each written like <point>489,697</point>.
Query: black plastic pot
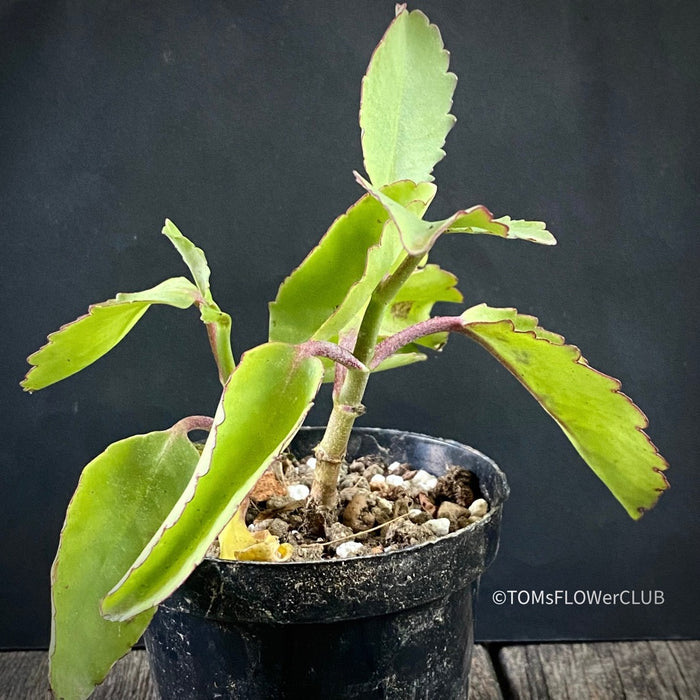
<point>396,625</point>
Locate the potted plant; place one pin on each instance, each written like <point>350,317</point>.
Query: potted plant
<point>148,509</point>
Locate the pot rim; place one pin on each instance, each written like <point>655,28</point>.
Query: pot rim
<point>356,587</point>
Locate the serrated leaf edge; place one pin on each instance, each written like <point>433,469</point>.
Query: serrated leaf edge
<point>640,424</point>
<point>184,425</point>
<point>400,8</point>
<point>50,338</point>
<point>187,496</point>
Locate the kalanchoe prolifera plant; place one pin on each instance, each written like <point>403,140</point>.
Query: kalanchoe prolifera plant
<point>147,509</point>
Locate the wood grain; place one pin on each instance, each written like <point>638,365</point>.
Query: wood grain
<point>657,670</point>
<point>483,683</point>
<point>662,670</point>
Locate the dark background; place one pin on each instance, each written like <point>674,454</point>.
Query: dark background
<point>238,120</point>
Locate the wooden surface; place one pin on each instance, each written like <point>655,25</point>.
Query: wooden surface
<point>605,670</point>
<point>602,670</point>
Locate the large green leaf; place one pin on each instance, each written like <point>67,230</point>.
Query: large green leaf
<point>78,344</point>
<point>336,279</point>
<point>406,100</point>
<point>122,498</point>
<point>419,236</point>
<point>603,424</point>
<point>263,404</point>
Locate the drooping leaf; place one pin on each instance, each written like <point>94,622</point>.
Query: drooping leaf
<point>78,344</point>
<point>406,101</point>
<point>419,236</point>
<point>262,406</point>
<point>194,258</point>
<point>122,498</point>
<point>533,231</point>
<point>335,280</point>
<point>415,300</point>
<point>603,424</point>
<point>176,291</point>
<point>218,323</point>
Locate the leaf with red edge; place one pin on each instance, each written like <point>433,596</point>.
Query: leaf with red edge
<point>406,101</point>
<point>122,497</point>
<point>602,423</point>
<point>263,404</point>
<point>80,343</point>
<point>419,236</point>
<point>335,281</point>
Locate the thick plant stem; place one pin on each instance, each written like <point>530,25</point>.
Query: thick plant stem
<point>348,404</point>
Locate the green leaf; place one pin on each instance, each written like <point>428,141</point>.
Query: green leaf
<point>262,407</point>
<point>477,219</point>
<point>122,497</point>
<point>603,424</point>
<point>176,291</point>
<point>336,279</point>
<point>78,344</point>
<point>194,258</point>
<point>533,231</point>
<point>402,358</point>
<point>415,300</point>
<point>406,100</point>
<point>419,236</point>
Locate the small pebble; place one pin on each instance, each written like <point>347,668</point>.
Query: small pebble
<point>385,503</point>
<point>278,527</point>
<point>298,492</point>
<point>259,525</point>
<point>394,468</point>
<point>418,516</point>
<point>371,471</point>
<point>395,480</point>
<point>377,479</point>
<point>423,481</point>
<point>357,467</point>
<point>347,494</point>
<point>337,531</point>
<point>479,508</point>
<point>349,480</point>
<point>456,514</point>
<point>308,552</point>
<point>349,549</point>
<point>311,462</point>
<point>382,511</point>
<point>439,526</point>
<point>279,502</point>
<point>362,484</point>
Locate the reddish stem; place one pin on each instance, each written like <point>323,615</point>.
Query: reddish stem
<point>392,344</point>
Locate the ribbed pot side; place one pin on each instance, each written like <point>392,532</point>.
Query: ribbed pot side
<point>397,625</point>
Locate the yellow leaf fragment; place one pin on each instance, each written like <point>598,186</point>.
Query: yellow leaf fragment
<point>269,549</point>
<point>237,542</point>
